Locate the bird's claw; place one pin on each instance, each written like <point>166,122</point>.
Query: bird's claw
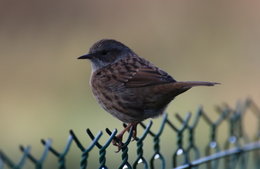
<point>118,142</point>
<point>134,137</point>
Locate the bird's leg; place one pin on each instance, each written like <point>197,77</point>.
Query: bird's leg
<point>118,141</point>
<point>134,131</point>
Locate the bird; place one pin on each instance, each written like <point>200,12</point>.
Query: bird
<point>130,87</point>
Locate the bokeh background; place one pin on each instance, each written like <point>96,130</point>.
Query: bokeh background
<point>44,88</point>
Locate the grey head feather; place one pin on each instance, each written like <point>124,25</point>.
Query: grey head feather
<point>106,52</point>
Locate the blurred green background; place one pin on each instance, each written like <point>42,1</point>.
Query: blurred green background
<point>44,88</point>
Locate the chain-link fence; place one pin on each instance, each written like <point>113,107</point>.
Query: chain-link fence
<point>222,147</point>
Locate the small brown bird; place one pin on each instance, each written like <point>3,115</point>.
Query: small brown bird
<point>129,87</point>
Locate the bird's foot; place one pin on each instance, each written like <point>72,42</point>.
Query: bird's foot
<point>134,136</point>
<point>118,140</point>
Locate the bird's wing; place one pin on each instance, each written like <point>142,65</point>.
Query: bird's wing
<point>146,75</point>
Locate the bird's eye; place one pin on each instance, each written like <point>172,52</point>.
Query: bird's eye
<point>104,52</point>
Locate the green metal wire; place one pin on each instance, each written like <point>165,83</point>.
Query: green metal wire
<point>192,147</point>
<point>213,145</point>
<point>234,152</point>
<point>140,157</point>
<point>180,152</point>
<point>156,139</point>
<point>38,163</point>
<point>61,156</point>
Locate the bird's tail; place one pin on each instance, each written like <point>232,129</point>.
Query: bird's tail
<point>180,87</point>
<point>190,84</point>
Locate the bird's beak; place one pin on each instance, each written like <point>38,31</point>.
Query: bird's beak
<point>86,56</point>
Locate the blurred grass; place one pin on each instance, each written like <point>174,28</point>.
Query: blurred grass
<point>44,88</point>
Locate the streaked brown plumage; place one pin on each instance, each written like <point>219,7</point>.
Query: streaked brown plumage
<point>130,87</point>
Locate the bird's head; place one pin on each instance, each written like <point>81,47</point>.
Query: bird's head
<point>106,52</point>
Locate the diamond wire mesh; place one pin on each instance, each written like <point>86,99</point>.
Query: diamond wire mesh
<point>234,152</point>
